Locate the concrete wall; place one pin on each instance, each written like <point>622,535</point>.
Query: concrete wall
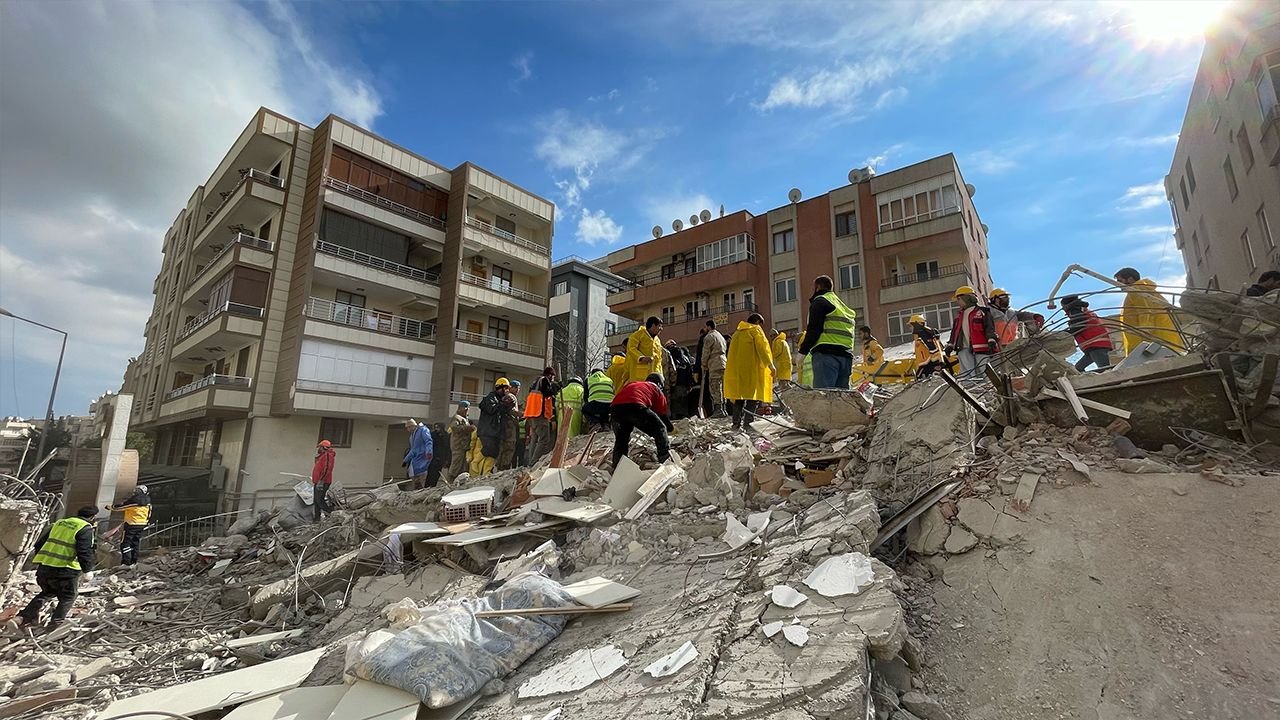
<point>289,445</point>
<point>359,366</point>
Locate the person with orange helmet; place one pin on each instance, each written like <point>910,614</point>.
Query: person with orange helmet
<point>322,478</point>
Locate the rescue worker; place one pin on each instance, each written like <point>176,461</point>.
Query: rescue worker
<point>572,395</point>
<point>1267,281</point>
<point>973,335</point>
<point>539,411</point>
<point>1091,334</point>
<point>461,432</point>
<point>322,478</point>
<point>477,463</point>
<point>644,351</point>
<point>137,513</point>
<point>928,348</point>
<point>599,397</point>
<point>804,375</point>
<point>1146,314</point>
<point>419,455</point>
<point>643,406</point>
<point>441,453</point>
<point>491,425</point>
<point>512,430</point>
<point>618,368</point>
<point>714,357</point>
<point>64,551</point>
<point>1007,320</point>
<point>828,337</point>
<point>872,350</point>
<point>678,371</point>
<point>781,356</point>
<point>748,377</point>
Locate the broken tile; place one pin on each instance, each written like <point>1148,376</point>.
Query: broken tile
<point>372,701</point>
<point>598,592</point>
<point>846,574</point>
<point>786,596</point>
<point>797,635</point>
<point>771,629</point>
<point>581,669</point>
<point>297,704</point>
<point>264,638</point>
<point>672,663</point>
<point>622,491</point>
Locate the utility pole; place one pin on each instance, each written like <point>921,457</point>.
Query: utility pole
<point>53,392</point>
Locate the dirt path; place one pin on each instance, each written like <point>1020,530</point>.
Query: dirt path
<point>1141,597</point>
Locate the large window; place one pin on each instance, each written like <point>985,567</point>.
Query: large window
<point>846,224</point>
<point>610,327</point>
<point>1186,199</point>
<point>920,201</point>
<point>358,235</point>
<point>1264,227</point>
<point>850,276</point>
<point>669,315</point>
<point>784,290</point>
<point>337,431</point>
<point>1267,85</point>
<point>725,252</point>
<point>1248,250</point>
<point>1231,178</point>
<point>1246,150</point>
<point>499,328</point>
<point>376,178</point>
<point>938,316</point>
<point>502,277</point>
<point>784,241</point>
<point>1191,177</point>
<point>562,287</point>
<point>396,377</point>
<point>504,224</point>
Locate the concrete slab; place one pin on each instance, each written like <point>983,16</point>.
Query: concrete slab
<point>370,701</point>
<point>297,704</point>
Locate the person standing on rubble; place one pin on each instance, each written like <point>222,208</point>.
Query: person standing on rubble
<point>644,351</point>
<point>460,431</point>
<point>928,348</point>
<point>804,365</point>
<point>599,397</point>
<point>641,406</point>
<point>64,551</point>
<point>509,454</point>
<point>781,356</point>
<point>828,339</point>
<point>492,424</point>
<point>441,453</point>
<point>618,368</point>
<point>973,335</point>
<point>539,410</point>
<point>714,351</point>
<point>1007,319</point>
<point>420,453</point>
<point>322,478</point>
<point>1091,334</point>
<point>872,350</point>
<point>137,513</point>
<point>572,396</point>
<point>1146,315</point>
<point>1267,281</point>
<point>748,378</point>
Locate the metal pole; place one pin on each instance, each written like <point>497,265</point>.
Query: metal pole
<point>53,393</point>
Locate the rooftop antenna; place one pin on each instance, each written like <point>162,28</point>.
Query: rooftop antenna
<point>694,219</point>
<point>721,209</point>
<point>676,225</point>
<point>794,196</point>
<point>706,215</point>
<point>657,231</point>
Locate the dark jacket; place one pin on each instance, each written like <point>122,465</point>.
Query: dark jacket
<point>819,308</point>
<point>492,412</point>
<point>1255,290</point>
<point>86,553</point>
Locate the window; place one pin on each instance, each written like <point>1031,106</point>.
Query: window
<point>784,290</point>
<point>562,287</point>
<point>668,271</point>
<point>1267,85</point>
<point>1191,177</point>
<point>1246,150</point>
<point>1173,208</point>
<point>725,252</point>
<point>917,202</point>
<point>610,327</point>
<point>348,308</point>
<point>1248,250</point>
<point>499,329</point>
<point>749,299</point>
<point>729,301</point>
<point>928,270</point>
<point>668,315</point>
<point>505,224</point>
<point>501,277</point>
<point>938,316</point>
<point>337,431</point>
<point>1213,283</point>
<point>784,241</point>
<point>1195,245</point>
<point>397,377</point>
<point>690,266</point>
<point>1231,178</point>
<point>1186,201</point>
<point>690,309</point>
<point>850,276</point>
<point>1264,227</point>
<point>846,224</point>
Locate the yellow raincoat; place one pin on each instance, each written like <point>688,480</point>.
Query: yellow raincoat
<point>617,372</point>
<point>1146,310</point>
<point>747,376</point>
<point>642,344</point>
<point>478,464</point>
<point>781,357</point>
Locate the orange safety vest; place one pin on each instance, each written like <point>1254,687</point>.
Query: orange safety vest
<point>539,405</point>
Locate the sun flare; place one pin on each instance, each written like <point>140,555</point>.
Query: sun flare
<point>1171,20</point>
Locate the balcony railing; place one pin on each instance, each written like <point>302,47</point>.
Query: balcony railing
<point>374,261</point>
<point>372,320</point>
<point>210,381</point>
<point>203,318</point>
<point>679,271</point>
<point>497,342</point>
<point>246,174</point>
<point>456,396</point>
<point>911,278</point>
<point>699,316</point>
<point>931,215</point>
<point>508,236</point>
<point>363,390</point>
<point>246,239</point>
<point>376,199</point>
<point>496,285</point>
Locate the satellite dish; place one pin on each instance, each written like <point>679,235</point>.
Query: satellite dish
<point>657,231</point>
<point>676,225</point>
<point>721,209</point>
<point>794,195</point>
<point>693,220</point>
<point>861,174</point>
<point>984,228</point>
<point>706,215</point>
<point>972,190</point>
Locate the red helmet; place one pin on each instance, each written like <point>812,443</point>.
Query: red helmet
<point>325,444</point>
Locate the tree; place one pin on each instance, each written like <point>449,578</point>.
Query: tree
<point>141,442</point>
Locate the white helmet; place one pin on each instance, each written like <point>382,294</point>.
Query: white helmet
<point>142,488</point>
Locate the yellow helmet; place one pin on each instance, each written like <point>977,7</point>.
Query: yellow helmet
<point>917,319</point>
<point>998,292</point>
<point>964,290</point>
<point>502,382</point>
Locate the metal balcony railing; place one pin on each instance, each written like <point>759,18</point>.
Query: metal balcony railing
<point>497,285</point>
<point>372,320</point>
<point>911,278</point>
<point>497,342</point>
<point>249,311</point>
<point>508,236</point>
<point>246,174</point>
<point>678,271</point>
<point>456,396</point>
<point>374,261</point>
<point>699,316</point>
<point>210,381</point>
<point>246,239</point>
<point>376,199</point>
<point>363,390</point>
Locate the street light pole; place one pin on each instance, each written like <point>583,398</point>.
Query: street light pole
<point>53,392</point>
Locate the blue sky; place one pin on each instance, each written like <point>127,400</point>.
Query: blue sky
<point>1064,115</point>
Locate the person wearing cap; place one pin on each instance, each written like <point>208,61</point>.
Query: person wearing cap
<point>64,551</point>
<point>460,431</point>
<point>828,338</point>
<point>928,347</point>
<point>1146,314</point>
<point>973,335</point>
<point>491,426</point>
<point>644,351</point>
<point>1007,319</point>
<point>571,396</point>
<point>1091,334</point>
<point>418,457</point>
<point>137,513</point>
<point>641,406</point>
<point>539,411</point>
<point>322,478</point>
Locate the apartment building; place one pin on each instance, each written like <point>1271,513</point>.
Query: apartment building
<point>579,315</point>
<point>1223,187</point>
<point>895,244</point>
<point>325,283</point>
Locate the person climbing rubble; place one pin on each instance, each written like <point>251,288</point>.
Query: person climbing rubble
<point>419,455</point>
<point>928,348</point>
<point>644,351</point>
<point>973,335</point>
<point>599,397</point>
<point>828,336</point>
<point>781,356</point>
<point>748,377</point>
<point>713,349</point>
<point>641,406</point>
<point>1091,334</point>
<point>571,396</point>
<point>1007,320</point>
<point>137,513</point>
<point>493,408</point>
<point>618,368</point>
<point>460,431</point>
<point>322,479</point>
<point>539,412</point>
<point>65,551</point>
<point>1267,282</point>
<point>1146,315</point>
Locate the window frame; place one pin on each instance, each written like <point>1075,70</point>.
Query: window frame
<point>788,238</point>
<point>1248,250</point>
<point>499,325</point>
<point>850,218</point>
<point>1191,176</point>
<point>854,269</point>
<point>339,438</point>
<point>396,377</point>
<point>785,289</point>
<point>1229,171</point>
<point>1246,150</point>
<point>561,288</point>
<point>1264,224</point>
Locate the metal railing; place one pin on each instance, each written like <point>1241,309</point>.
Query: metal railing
<point>496,285</point>
<point>182,532</point>
<point>249,311</point>
<point>678,271</point>
<point>376,199</point>
<point>911,278</point>
<point>246,239</point>
<point>456,396</point>
<point>699,316</point>
<point>496,342</point>
<point>209,381</point>
<point>371,320</point>
<point>262,177</point>
<point>363,390</point>
<point>374,261</point>
<point>246,174</point>
<point>509,236</point>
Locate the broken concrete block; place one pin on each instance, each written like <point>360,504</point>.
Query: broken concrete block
<point>16,518</point>
<point>1025,492</point>
<point>320,578</point>
<point>822,410</point>
<point>977,515</point>
<point>927,534</point>
<point>896,673</point>
<point>1141,466</point>
<point>960,541</point>
<point>44,683</point>
<point>924,706</point>
<point>1119,426</point>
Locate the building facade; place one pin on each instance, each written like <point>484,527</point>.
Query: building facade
<point>895,244</point>
<point>327,284</point>
<point>579,316</point>
<point>1223,187</point>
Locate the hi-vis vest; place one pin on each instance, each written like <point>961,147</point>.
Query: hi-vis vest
<point>837,327</point>
<point>60,549</point>
<point>137,514</point>
<point>599,388</point>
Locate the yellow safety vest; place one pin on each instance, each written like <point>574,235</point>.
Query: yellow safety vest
<point>60,549</point>
<point>837,327</point>
<point>137,514</point>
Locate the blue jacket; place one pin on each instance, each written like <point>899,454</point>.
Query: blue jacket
<point>420,451</point>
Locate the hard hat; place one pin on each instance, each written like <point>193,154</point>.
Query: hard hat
<point>502,382</point>
<point>996,292</point>
<point>463,404</point>
<point>325,444</point>
<point>964,290</point>
<point>917,319</point>
<point>142,489</point>
<point>515,383</point>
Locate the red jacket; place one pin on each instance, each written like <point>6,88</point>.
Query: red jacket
<point>982,331</point>
<point>322,471</point>
<point>1089,330</point>
<point>642,393</point>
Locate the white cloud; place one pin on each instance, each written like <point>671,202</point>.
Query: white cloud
<point>598,227</point>
<point>1148,141</point>
<point>523,65</point>
<point>1143,197</point>
<point>891,97</point>
<point>584,147</point>
<point>662,211</point>
<point>841,87</point>
<point>883,156</point>
<point>613,94</point>
<point>991,162</point>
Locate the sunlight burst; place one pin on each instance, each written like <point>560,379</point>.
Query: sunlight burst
<point>1171,20</point>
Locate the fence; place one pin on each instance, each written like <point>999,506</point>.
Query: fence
<point>183,532</point>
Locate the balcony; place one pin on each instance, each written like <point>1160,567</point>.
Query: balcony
<point>216,330</point>
<point>684,328</point>
<point>349,263</point>
<point>498,351</point>
<point>458,396</point>
<point>1269,138</point>
<point>423,220</point>
<point>215,396</point>
<point>358,326</point>
<point>250,203</point>
<point>243,249</point>
<point>917,285</point>
<point>476,291</point>
<point>205,317</point>
<point>655,287</point>
<point>384,393</point>
<point>210,381</point>
<point>935,223</point>
<point>482,238</point>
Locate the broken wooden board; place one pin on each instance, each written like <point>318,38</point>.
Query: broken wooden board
<point>43,701</point>
<point>600,591</point>
<point>485,534</point>
<point>578,511</point>
<point>301,703</point>
<point>653,488</point>
<point>623,489</point>
<point>1069,393</point>
<point>372,701</point>
<point>1091,404</point>
<point>264,638</point>
<point>555,481</point>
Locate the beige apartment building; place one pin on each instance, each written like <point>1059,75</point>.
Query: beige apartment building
<point>326,284</point>
<point>1224,185</point>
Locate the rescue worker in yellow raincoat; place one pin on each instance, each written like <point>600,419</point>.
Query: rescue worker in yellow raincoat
<point>748,376</point>
<point>644,352</point>
<point>1146,313</point>
<point>928,347</point>
<point>617,371</point>
<point>781,356</point>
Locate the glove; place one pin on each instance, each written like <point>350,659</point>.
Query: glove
<point>949,349</point>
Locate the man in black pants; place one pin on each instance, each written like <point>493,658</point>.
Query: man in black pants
<point>64,551</point>
<point>642,406</point>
